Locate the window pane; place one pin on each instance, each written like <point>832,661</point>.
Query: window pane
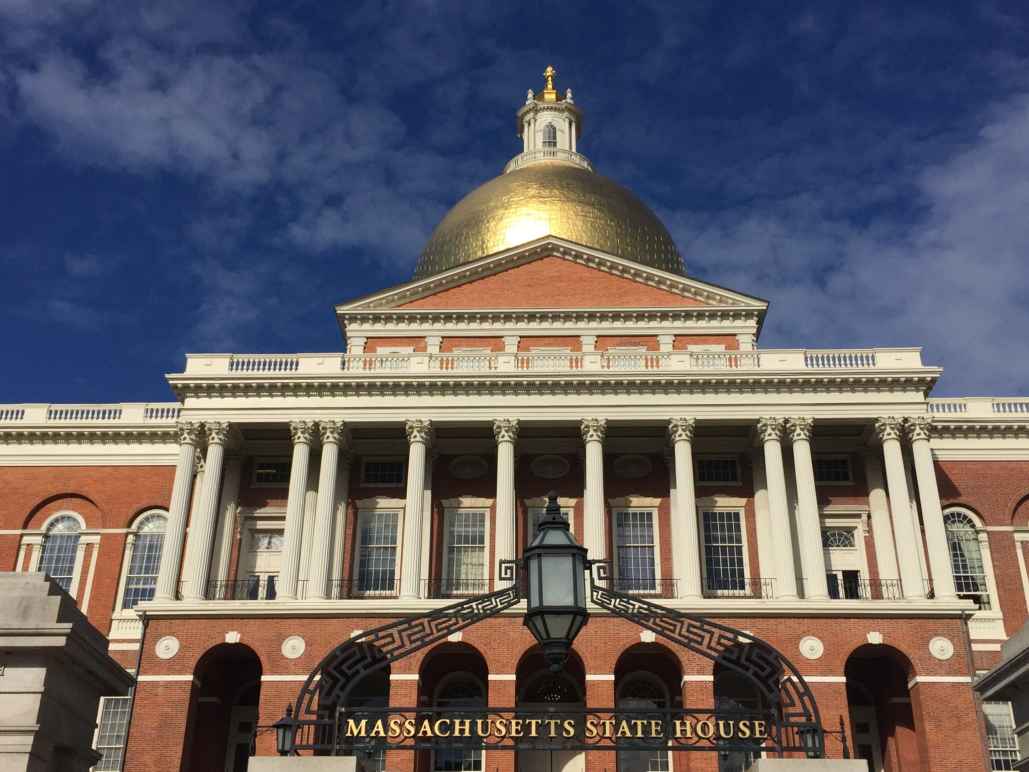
<point>376,569</point>
<point>1000,735</point>
<point>715,470</point>
<point>832,469</point>
<point>466,551</point>
<point>723,551</point>
<point>383,472</point>
<point>59,548</point>
<point>634,544</point>
<point>966,558</point>
<point>110,737</point>
<point>144,563</point>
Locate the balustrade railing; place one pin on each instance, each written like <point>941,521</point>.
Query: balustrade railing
<point>839,359</point>
<point>365,587</point>
<point>660,588</point>
<point>263,363</point>
<point>447,588</point>
<point>866,589</point>
<point>739,587</point>
<point>77,415</point>
<point>251,588</point>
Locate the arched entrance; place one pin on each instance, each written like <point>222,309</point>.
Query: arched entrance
<point>882,722</point>
<point>734,692</point>
<point>543,691</point>
<point>371,692</point>
<point>453,676</point>
<point>223,709</point>
<point>647,675</point>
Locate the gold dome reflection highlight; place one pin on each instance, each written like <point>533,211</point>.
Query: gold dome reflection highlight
<point>549,198</point>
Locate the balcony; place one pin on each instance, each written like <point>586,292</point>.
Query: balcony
<point>116,414</point>
<point>866,589</point>
<point>751,587</point>
<point>252,588</point>
<point>547,154</point>
<point>657,588</point>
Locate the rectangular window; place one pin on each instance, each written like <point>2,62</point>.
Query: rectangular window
<point>377,552</point>
<point>1000,735</point>
<point>58,557</point>
<point>111,731</point>
<point>832,469</point>
<point>382,471</point>
<point>844,584</point>
<point>141,579</point>
<point>635,550</point>
<point>536,514</point>
<point>724,566</point>
<point>465,553</point>
<point>271,472</point>
<point>718,470</point>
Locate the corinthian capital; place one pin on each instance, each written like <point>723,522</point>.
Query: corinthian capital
<point>888,428</point>
<point>187,432</point>
<point>770,429</point>
<point>217,432</point>
<point>419,430</point>
<point>681,429</point>
<point>505,429</point>
<point>800,427</point>
<point>919,427</point>
<point>333,432</point>
<point>593,429</point>
<point>301,432</point>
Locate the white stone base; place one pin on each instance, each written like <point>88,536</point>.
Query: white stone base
<point>302,764</point>
<point>808,765</point>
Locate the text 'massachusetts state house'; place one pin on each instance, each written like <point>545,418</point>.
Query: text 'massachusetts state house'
<point>550,340</point>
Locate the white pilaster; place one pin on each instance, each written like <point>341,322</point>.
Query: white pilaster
<point>301,433</point>
<point>174,536</point>
<point>882,530</point>
<point>333,434</point>
<point>932,513</point>
<point>771,430</point>
<point>201,529</point>
<point>593,432</point>
<point>685,529</point>
<point>505,430</point>
<point>419,436</point>
<point>907,540</point>
<point>809,523</point>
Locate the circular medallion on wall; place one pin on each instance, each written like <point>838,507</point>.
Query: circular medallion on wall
<point>550,467</point>
<point>167,647</point>
<point>811,647</point>
<point>468,467</point>
<point>941,647</point>
<point>293,647</point>
<point>632,467</point>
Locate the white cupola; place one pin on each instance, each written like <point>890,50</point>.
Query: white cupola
<point>549,124</point>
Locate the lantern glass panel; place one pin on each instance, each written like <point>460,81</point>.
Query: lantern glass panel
<point>558,580</point>
<point>559,625</point>
<point>533,577</point>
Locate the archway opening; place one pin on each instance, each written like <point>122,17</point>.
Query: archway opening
<point>734,692</point>
<point>543,691</point>
<point>369,692</point>
<point>453,679</point>
<point>647,676</point>
<point>882,723</point>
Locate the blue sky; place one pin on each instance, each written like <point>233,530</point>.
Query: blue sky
<point>196,176</point>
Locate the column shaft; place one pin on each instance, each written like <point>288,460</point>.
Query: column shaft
<point>685,529</point>
<point>932,513</point>
<point>506,433</point>
<point>201,531</point>
<point>418,437</point>
<point>809,523</point>
<point>321,544</point>
<point>882,530</point>
<point>907,540</point>
<point>786,573</point>
<point>593,432</point>
<point>289,568</point>
<point>174,536</point>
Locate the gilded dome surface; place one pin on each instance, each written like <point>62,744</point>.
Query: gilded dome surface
<point>550,198</point>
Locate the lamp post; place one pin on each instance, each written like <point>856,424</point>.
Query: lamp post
<point>555,567</point>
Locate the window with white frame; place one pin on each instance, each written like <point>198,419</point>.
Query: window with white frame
<point>833,470</point>
<point>966,558</point>
<point>842,562</point>
<point>724,564</point>
<point>717,469</point>
<point>385,472</point>
<point>636,550</point>
<point>377,534</point>
<point>464,566</point>
<point>1000,735</point>
<point>550,135</point>
<point>536,514</point>
<point>144,560</point>
<point>112,728</point>
<point>60,550</point>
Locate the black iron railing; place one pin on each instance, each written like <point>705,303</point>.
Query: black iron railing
<point>251,588</point>
<point>659,588</point>
<point>449,588</point>
<point>866,589</point>
<point>739,587</point>
<point>366,587</point>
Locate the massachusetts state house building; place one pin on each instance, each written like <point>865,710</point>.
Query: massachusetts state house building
<point>551,339</point>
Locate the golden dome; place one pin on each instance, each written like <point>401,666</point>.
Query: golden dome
<point>552,198</point>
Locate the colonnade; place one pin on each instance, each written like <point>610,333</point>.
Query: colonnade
<point>897,530</point>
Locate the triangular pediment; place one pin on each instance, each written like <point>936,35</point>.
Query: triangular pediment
<point>552,274</point>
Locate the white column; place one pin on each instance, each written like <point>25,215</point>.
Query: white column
<point>178,508</point>
<point>685,529</point>
<point>301,433</point>
<point>882,531</point>
<point>932,513</point>
<point>809,523</point>
<point>201,529</point>
<point>771,431</point>
<point>906,538</point>
<point>593,432</point>
<point>225,529</point>
<point>505,430</point>
<point>419,436</point>
<point>333,434</point>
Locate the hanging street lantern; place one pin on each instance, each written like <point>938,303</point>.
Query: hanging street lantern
<point>284,730</point>
<point>555,567</point>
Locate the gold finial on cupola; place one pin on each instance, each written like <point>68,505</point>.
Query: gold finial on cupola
<point>549,93</point>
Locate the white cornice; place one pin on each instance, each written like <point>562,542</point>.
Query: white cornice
<point>87,436</point>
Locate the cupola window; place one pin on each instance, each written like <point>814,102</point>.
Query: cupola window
<point>550,135</point>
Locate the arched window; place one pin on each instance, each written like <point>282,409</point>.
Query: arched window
<point>60,548</point>
<point>145,559</point>
<point>550,135</point>
<point>641,691</point>
<point>459,690</point>
<point>966,558</point>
